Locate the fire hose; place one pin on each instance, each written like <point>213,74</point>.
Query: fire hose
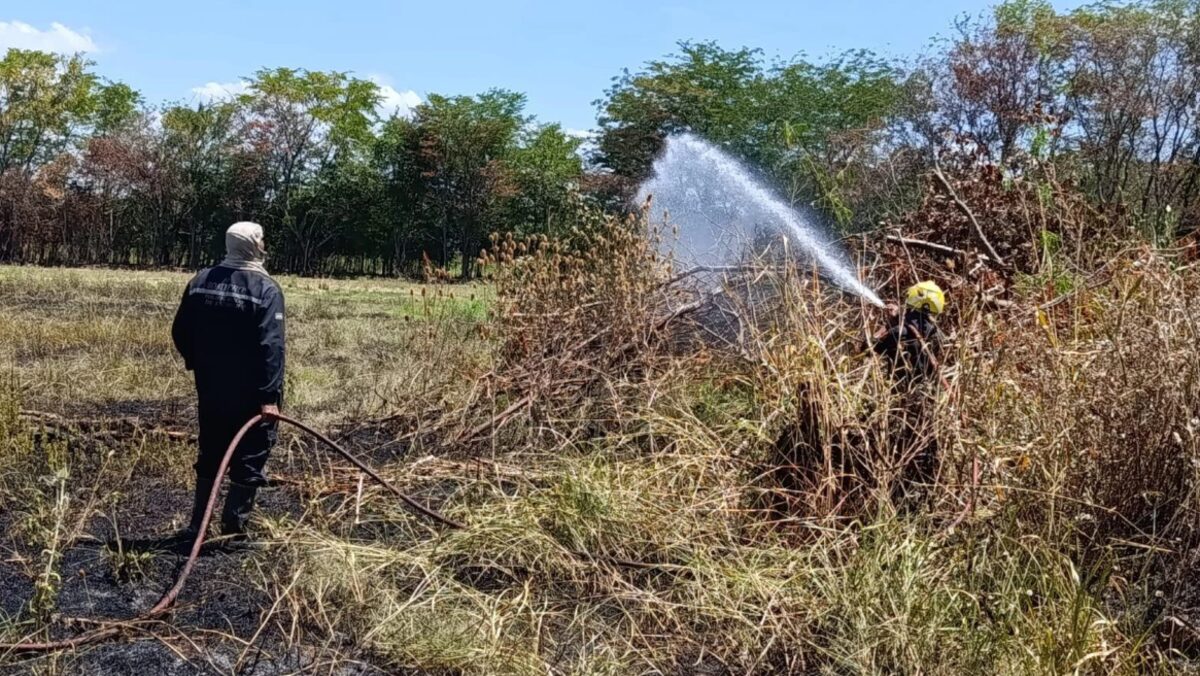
<point>107,630</point>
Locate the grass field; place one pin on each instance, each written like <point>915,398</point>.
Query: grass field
<point>91,349</point>
<point>88,340</point>
<point>626,535</point>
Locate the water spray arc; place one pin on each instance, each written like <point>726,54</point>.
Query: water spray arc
<point>719,208</point>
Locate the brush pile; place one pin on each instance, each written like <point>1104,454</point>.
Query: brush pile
<point>579,320</point>
<point>780,502</point>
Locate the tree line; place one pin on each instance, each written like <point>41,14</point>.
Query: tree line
<point>89,174</point>
<point>1107,95</point>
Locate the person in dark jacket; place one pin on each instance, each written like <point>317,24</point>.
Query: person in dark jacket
<point>911,346</point>
<point>229,329</point>
<point>912,349</point>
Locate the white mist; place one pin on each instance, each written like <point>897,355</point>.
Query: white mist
<point>718,206</point>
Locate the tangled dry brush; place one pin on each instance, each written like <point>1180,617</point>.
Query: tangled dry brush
<point>655,496</point>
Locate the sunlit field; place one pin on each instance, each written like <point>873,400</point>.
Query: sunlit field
<point>633,501</point>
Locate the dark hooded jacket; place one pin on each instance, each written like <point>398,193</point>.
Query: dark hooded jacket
<point>230,331</point>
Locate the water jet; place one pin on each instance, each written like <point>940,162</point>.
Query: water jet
<point>720,210</point>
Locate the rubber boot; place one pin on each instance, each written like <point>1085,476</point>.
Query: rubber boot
<point>184,537</point>
<point>238,505</point>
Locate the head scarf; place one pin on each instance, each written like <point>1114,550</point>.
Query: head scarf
<point>244,249</point>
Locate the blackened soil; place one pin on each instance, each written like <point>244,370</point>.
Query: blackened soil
<point>173,413</point>
<point>220,611</point>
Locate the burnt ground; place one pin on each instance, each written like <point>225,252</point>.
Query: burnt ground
<point>175,413</point>
<point>219,612</point>
<point>92,366</point>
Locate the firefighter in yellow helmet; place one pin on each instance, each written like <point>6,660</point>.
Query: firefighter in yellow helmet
<point>912,349</point>
<point>912,345</point>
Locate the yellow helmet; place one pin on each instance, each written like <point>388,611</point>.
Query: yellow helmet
<point>926,296</point>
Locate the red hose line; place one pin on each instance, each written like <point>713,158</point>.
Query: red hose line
<point>416,506</point>
<point>168,599</point>
<point>173,593</point>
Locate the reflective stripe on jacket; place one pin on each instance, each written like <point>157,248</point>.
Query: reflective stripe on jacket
<point>230,330</point>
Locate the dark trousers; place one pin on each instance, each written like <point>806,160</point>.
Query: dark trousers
<point>220,420</point>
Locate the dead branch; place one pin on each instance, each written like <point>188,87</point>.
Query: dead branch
<point>113,428</point>
<point>495,422</point>
<point>688,309</point>
<point>711,269</point>
<point>938,248</point>
<point>937,171</point>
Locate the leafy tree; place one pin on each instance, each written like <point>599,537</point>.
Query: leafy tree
<point>717,93</point>
<point>801,122</point>
<point>465,142</point>
<point>115,107</point>
<point>302,121</point>
<point>828,124</point>
<point>545,170</point>
<point>48,104</point>
<point>339,207</point>
<point>406,226</point>
<point>44,99</point>
<point>203,145</point>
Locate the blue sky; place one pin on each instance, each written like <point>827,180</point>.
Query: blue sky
<point>561,54</point>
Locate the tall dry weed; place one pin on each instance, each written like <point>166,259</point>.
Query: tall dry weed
<point>1092,403</point>
<point>578,319</point>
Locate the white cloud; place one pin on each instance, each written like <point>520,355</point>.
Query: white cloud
<point>392,100</point>
<point>57,38</point>
<point>220,91</point>
<point>401,103</point>
<point>584,134</point>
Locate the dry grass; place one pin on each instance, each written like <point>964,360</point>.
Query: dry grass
<point>1056,536</point>
<point>1023,556</point>
<point>91,339</point>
